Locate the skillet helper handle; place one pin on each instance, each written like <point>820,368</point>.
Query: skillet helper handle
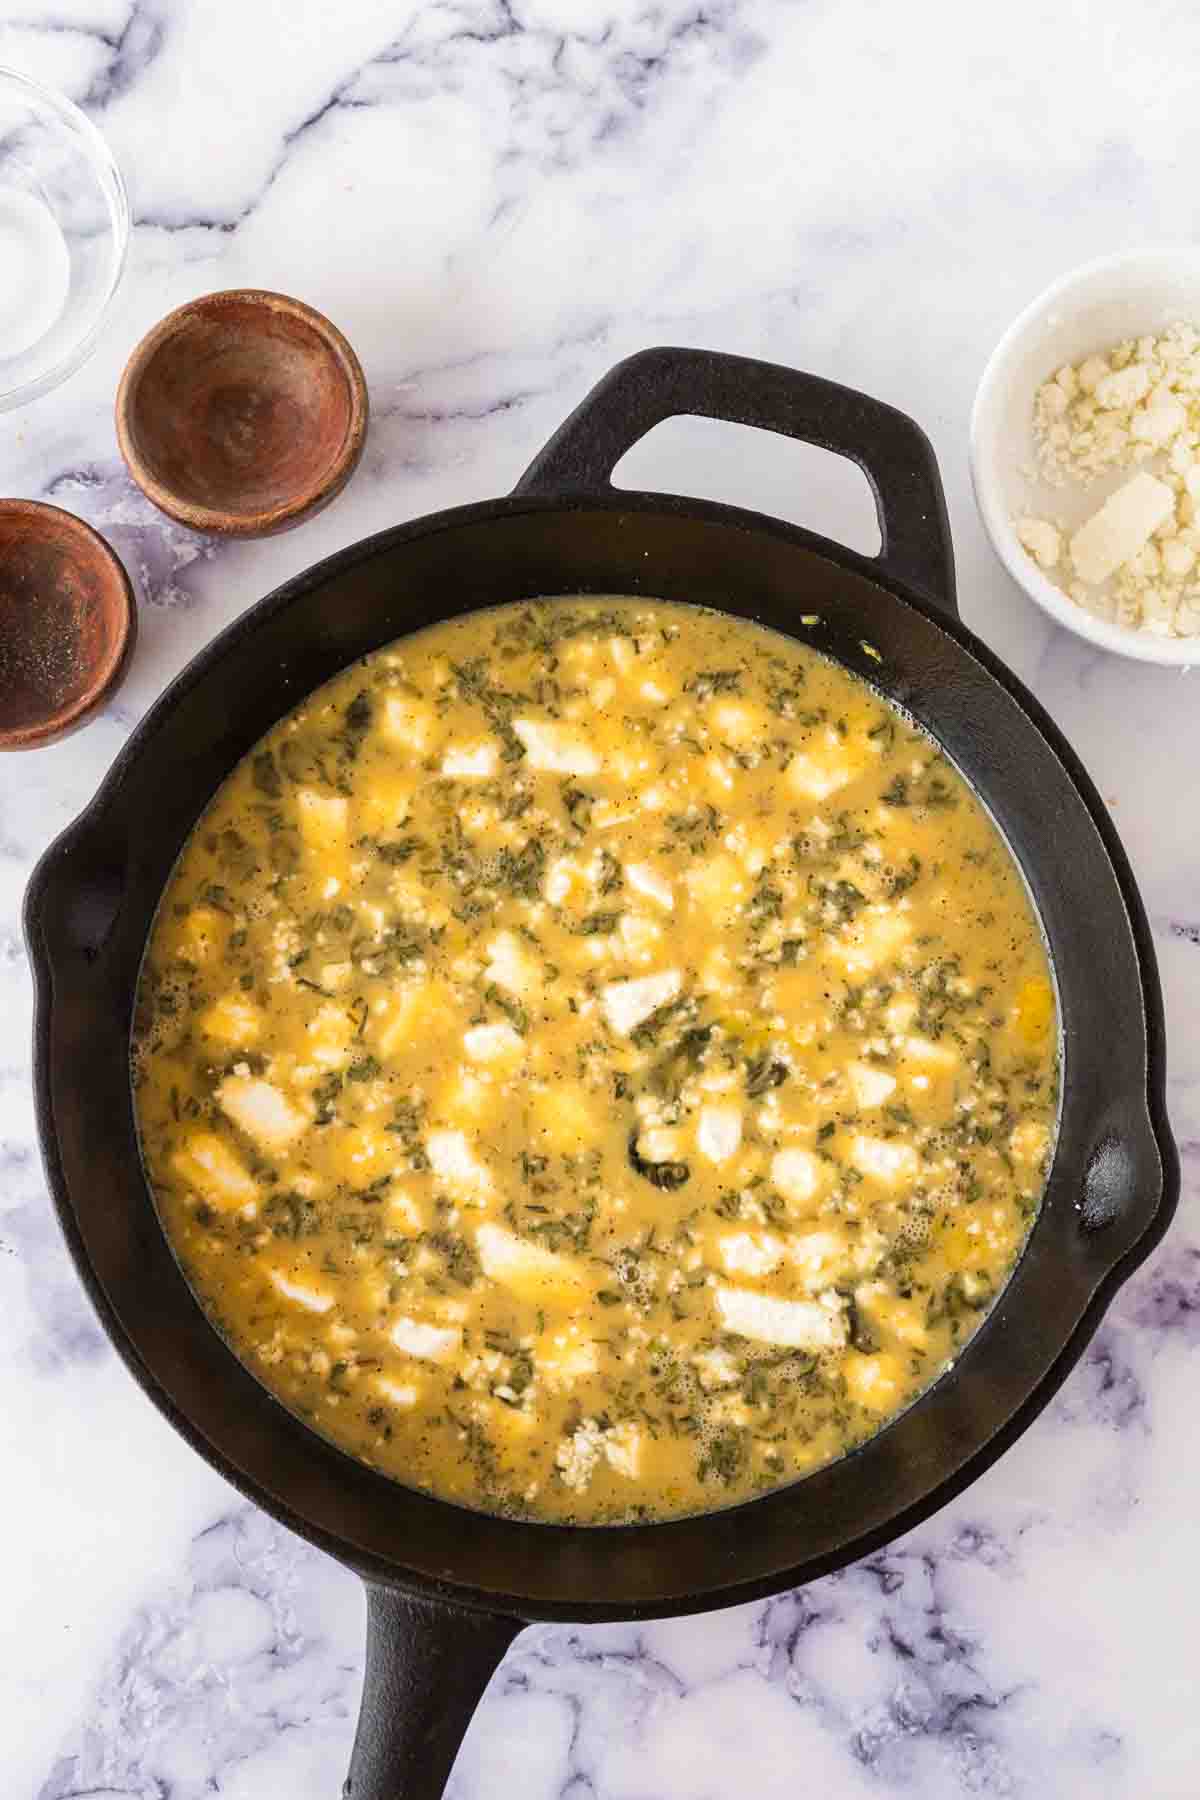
<point>428,1664</point>
<point>889,447</point>
<point>1130,1187</point>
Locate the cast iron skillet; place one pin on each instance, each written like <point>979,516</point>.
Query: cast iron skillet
<point>448,1590</point>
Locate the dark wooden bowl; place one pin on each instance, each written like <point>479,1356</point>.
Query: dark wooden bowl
<point>68,623</point>
<point>243,412</point>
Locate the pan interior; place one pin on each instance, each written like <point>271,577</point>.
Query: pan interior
<point>596,1061</point>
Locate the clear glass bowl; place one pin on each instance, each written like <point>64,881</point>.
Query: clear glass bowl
<point>64,231</point>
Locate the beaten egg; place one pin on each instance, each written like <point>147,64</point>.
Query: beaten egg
<point>596,1060</point>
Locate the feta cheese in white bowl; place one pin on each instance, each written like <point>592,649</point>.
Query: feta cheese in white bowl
<point>1051,529</point>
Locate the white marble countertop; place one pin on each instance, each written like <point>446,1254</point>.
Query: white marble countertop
<point>496,199</point>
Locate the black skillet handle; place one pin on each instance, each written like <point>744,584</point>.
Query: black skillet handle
<point>427,1666</point>
<point>891,450</point>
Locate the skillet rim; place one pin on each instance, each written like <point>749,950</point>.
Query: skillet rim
<point>56,860</point>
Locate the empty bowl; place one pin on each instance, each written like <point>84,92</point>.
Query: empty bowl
<point>67,623</point>
<point>64,230</point>
<point>1130,295</point>
<point>243,412</point>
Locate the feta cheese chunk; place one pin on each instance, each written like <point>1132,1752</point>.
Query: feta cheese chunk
<point>817,773</point>
<point>471,762</point>
<point>627,1004</point>
<point>565,1357</point>
<point>556,748</point>
<point>821,1256</point>
<point>452,1159</point>
<point>263,1112</point>
<point>1124,387</point>
<point>429,1343</point>
<point>889,1163</point>
<point>529,1270</point>
<point>408,722</point>
<point>510,966</point>
<point>869,1085</point>
<point>793,1324</point>
<point>930,1053</point>
<point>330,1035</point>
<point>208,1166</point>
<point>1029,1142</point>
<point>874,1381</point>
<point>307,1294</point>
<point>750,1253</point>
<point>623,1449</point>
<point>492,1044</point>
<point>645,880</point>
<point>577,1456</point>
<point>1158,422</point>
<point>324,818</point>
<point>797,1173</point>
<point>1122,526</point>
<point>871,940</point>
<point>716,1369</point>
<point>404,1394</point>
<point>719,1132</point>
<point>233,1020</point>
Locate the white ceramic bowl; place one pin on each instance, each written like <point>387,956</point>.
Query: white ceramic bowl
<point>1093,307</point>
<point>65,216</point>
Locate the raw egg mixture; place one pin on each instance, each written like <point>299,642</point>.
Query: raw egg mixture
<point>596,1060</point>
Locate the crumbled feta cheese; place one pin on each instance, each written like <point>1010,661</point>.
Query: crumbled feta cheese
<point>1138,408</point>
<point>559,880</point>
<point>324,818</point>
<point>796,1173</point>
<point>302,1293</point>
<point>869,1085</point>
<point>261,1111</point>
<point>232,1019</point>
<point>554,748</point>
<point>645,880</point>
<point>471,762</point>
<point>510,966</point>
<point>1158,423</point>
<point>208,1165</point>
<point>1124,387</point>
<point>577,1456</point>
<point>793,1324</point>
<point>451,1158</point>
<point>639,937</point>
<point>1028,1142</point>
<point>817,773</point>
<point>566,1358</point>
<point>750,1253</point>
<point>819,1255</point>
<point>623,1449</point>
<point>884,1161</point>
<point>429,1343</point>
<point>397,1393</point>
<point>718,1132</point>
<point>627,1003</point>
<point>661,1143</point>
<point>492,1043</point>
<point>871,940</point>
<point>529,1269</point>
<point>716,1368</point>
<point>408,722</point>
